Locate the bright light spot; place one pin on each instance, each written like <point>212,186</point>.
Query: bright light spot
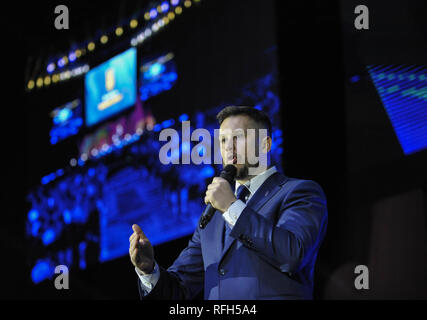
<point>72,57</point>
<point>47,80</point>
<point>33,215</point>
<point>119,31</point>
<point>171,15</point>
<point>48,237</point>
<point>133,23</point>
<point>30,84</point>
<point>153,13</point>
<point>91,46</point>
<point>39,82</point>
<point>178,10</point>
<point>187,3</point>
<point>104,39</point>
<point>51,67</point>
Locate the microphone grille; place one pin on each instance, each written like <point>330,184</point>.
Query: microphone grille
<point>229,173</point>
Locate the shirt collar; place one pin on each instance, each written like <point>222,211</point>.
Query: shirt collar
<point>258,180</point>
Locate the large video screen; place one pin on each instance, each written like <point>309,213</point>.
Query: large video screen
<point>110,87</point>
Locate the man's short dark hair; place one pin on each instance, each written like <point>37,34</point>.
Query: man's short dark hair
<point>258,116</point>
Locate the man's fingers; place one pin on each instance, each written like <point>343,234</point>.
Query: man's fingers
<point>138,231</point>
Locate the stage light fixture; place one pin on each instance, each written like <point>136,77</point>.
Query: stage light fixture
<point>47,81</point>
<point>119,31</point>
<point>133,23</point>
<point>30,84</point>
<point>51,67</point>
<point>91,46</point>
<point>39,82</point>
<point>104,39</point>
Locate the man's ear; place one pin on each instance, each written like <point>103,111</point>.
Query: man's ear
<point>266,144</point>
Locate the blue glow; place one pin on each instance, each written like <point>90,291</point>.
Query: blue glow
<point>174,2</point>
<point>155,70</point>
<point>82,254</point>
<point>91,172</point>
<point>41,271</point>
<point>67,216</point>
<point>207,172</point>
<point>67,120</point>
<point>62,116</point>
<point>403,92</point>
<point>33,215</point>
<point>355,79</point>
<point>61,63</point>
<point>51,67</point>
<point>183,117</point>
<point>165,6</point>
<point>72,57</point>
<point>168,123</point>
<point>158,75</point>
<point>153,13</point>
<point>157,127</point>
<point>35,227</point>
<point>48,237</point>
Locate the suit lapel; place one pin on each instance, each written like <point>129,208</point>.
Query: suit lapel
<point>267,190</point>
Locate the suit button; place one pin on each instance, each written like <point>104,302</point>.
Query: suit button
<point>221,271</point>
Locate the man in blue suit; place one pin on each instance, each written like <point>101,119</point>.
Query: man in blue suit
<point>263,240</point>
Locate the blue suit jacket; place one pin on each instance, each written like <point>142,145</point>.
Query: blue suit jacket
<point>271,253</point>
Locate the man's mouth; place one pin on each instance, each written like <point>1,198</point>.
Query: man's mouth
<point>231,159</point>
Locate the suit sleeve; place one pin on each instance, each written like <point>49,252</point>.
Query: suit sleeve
<point>184,279</point>
<point>289,242</point>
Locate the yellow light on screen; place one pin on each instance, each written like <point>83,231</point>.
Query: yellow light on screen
<point>104,39</point>
<point>178,10</point>
<point>133,23</point>
<point>147,16</point>
<point>187,3</point>
<point>55,78</point>
<point>91,46</point>
<point>165,20</point>
<point>78,53</point>
<point>30,84</point>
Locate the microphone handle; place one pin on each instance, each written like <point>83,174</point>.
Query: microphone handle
<point>206,216</point>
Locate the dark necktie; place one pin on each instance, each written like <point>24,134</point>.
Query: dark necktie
<point>242,192</point>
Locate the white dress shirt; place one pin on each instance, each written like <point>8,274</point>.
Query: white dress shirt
<point>148,281</point>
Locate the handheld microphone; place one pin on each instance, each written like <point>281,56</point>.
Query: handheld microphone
<point>229,174</point>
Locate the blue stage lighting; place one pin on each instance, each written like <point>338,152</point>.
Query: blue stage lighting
<point>183,117</point>
<point>41,271</point>
<point>51,67</point>
<point>33,215</point>
<point>153,13</point>
<point>72,57</point>
<point>48,237</point>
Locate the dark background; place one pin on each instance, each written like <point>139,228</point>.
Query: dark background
<point>335,132</point>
